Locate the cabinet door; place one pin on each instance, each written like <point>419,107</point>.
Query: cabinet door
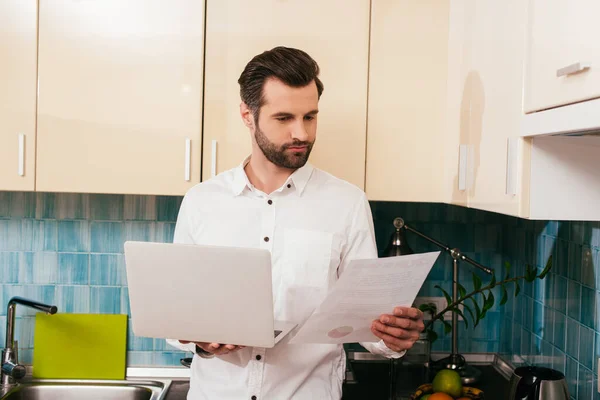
<point>563,39</point>
<point>493,94</point>
<point>407,100</point>
<point>335,33</point>
<point>120,96</point>
<point>18,68</point>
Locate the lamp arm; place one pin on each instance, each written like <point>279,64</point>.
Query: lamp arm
<point>455,253</point>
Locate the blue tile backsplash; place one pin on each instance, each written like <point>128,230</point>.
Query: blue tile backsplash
<point>67,249</point>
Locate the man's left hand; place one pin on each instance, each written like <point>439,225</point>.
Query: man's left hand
<point>400,330</point>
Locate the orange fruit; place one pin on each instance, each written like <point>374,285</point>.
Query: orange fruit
<point>463,398</point>
<point>440,396</point>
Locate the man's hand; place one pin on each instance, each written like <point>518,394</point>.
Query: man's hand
<point>215,348</point>
<point>400,330</point>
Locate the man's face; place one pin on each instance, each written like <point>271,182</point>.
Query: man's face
<point>286,128</point>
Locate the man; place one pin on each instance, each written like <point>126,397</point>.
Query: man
<point>312,223</point>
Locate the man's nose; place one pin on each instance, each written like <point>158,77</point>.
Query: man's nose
<point>299,132</point>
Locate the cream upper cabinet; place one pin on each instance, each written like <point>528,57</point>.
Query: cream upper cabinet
<point>406,138</point>
<point>491,105</point>
<point>18,65</point>
<point>120,96</point>
<point>563,62</point>
<point>335,33</point>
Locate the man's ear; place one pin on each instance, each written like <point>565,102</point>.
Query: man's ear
<point>246,115</point>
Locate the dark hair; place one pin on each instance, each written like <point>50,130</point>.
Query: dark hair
<point>293,67</point>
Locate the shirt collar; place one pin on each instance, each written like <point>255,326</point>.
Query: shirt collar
<point>299,178</point>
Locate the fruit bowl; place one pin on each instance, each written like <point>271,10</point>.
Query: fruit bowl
<point>467,392</point>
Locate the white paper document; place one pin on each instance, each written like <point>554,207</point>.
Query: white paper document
<point>366,289</point>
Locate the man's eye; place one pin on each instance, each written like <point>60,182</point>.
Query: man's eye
<point>282,119</point>
<point>309,118</point>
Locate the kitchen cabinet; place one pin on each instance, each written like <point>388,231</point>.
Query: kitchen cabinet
<point>406,140</point>
<point>120,96</point>
<point>18,69</point>
<point>486,99</point>
<point>563,61</point>
<point>335,33</point>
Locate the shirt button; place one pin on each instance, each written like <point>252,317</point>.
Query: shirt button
<point>270,202</point>
<point>258,357</point>
<point>266,239</point>
<point>253,397</point>
<point>289,186</point>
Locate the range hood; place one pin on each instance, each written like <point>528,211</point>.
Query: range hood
<point>565,161</point>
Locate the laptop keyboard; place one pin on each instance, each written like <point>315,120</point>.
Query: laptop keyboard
<point>277,333</point>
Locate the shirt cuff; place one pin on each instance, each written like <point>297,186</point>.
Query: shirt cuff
<point>387,352</point>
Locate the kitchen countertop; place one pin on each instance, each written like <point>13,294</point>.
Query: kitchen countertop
<point>372,381</point>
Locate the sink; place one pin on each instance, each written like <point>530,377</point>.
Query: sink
<point>89,390</point>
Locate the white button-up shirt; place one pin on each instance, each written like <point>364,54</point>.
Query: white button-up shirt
<point>313,225</point>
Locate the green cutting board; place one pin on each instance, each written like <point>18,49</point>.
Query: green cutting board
<point>80,346</point>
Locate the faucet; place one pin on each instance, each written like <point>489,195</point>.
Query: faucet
<point>11,370</point>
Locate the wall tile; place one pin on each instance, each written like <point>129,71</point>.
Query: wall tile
<point>558,361</point>
<point>586,346</point>
<point>140,208</point>
<point>560,326</point>
<point>9,267</point>
<point>562,261</point>
<point>107,207</point>
<point>584,383</point>
<point>107,237</point>
<point>574,271</point>
<point>74,269</point>
<point>3,331</point>
<point>140,358</point>
<point>107,269</point>
<point>45,207</point>
<point>168,358</point>
<point>73,299</point>
<point>574,300</point>
<point>167,208</point>
<point>572,336</point>
<point>140,231</point>
<point>588,273</point>
<point>73,236</point>
<point>125,308</point>
<point>105,300</point>
<point>38,268</point>
<point>571,374</point>
<point>138,343</point>
<point>72,206</point>
<point>5,204</point>
<point>560,300</point>
<point>23,205</point>
<point>588,306</point>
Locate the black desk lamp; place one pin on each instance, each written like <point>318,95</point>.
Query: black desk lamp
<point>398,247</point>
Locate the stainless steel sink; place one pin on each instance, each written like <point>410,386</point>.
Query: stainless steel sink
<point>89,390</point>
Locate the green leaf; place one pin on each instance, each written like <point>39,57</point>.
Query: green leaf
<point>447,327</point>
<point>470,312</point>
<point>457,310</point>
<point>504,298</point>
<point>507,266</point>
<point>546,269</point>
<point>476,281</point>
<point>483,309</point>
<point>493,281</point>
<point>489,302</point>
<point>462,291</point>
<point>446,295</point>
<point>477,311</point>
<point>517,288</point>
<point>530,274</point>
<point>432,336</point>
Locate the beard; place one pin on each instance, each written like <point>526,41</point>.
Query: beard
<point>280,155</point>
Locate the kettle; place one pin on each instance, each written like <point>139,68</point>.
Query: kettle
<point>538,383</point>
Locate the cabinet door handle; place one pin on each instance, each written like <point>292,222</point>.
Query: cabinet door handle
<point>21,168</point>
<point>188,159</point>
<point>213,160</point>
<point>573,69</point>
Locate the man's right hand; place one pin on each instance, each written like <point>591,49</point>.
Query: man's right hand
<point>215,348</point>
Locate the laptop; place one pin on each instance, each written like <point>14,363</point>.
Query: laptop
<point>202,293</point>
